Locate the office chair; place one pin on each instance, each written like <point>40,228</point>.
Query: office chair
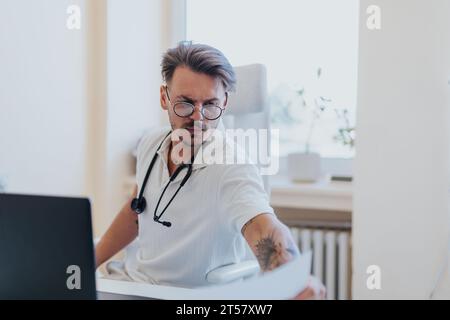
<point>248,108</point>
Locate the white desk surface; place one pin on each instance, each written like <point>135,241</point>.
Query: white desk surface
<point>282,283</point>
<point>136,289</point>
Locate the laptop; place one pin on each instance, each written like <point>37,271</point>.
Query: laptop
<point>46,248</point>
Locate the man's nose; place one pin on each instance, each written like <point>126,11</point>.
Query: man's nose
<point>197,115</point>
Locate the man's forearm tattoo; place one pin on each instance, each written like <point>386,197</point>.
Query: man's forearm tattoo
<point>271,253</point>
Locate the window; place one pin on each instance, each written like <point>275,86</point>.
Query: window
<point>310,49</point>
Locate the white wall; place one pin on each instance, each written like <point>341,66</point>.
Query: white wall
<point>401,219</point>
<point>74,103</point>
<point>136,39</point>
<point>42,99</point>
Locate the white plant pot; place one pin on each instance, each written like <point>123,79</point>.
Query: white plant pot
<point>304,167</point>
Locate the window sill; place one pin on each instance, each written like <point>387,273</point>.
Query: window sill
<point>321,195</point>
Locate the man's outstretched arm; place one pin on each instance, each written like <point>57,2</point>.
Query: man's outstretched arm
<point>122,231</point>
<point>273,246</point>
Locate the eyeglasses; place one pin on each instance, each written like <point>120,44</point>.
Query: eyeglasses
<point>185,109</point>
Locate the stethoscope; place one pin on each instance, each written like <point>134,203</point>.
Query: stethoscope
<point>139,204</point>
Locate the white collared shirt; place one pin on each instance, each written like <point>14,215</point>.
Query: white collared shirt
<point>207,216</point>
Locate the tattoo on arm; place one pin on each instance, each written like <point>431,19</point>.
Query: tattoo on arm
<point>271,242</point>
<point>272,253</point>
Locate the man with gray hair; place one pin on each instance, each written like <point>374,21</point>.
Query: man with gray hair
<point>221,211</point>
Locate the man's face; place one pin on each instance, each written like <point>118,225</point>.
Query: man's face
<point>198,89</point>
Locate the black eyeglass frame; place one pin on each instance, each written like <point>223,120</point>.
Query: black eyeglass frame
<point>193,107</point>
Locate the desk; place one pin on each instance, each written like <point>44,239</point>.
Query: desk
<point>127,290</point>
<point>273,285</point>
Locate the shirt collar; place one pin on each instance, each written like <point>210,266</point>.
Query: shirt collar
<point>164,146</point>
<point>202,159</point>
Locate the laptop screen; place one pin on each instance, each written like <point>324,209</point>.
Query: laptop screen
<point>46,248</point>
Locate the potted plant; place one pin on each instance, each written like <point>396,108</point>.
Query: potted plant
<point>346,131</point>
<point>341,169</point>
<point>304,166</point>
<point>299,113</point>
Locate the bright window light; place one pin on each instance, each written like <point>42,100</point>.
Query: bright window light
<point>297,40</point>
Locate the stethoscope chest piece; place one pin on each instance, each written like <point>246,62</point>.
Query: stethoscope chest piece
<point>138,205</point>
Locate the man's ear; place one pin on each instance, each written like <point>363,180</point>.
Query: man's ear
<point>163,97</point>
<point>226,100</point>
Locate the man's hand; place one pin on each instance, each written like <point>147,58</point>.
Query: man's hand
<point>273,246</point>
<point>315,290</point>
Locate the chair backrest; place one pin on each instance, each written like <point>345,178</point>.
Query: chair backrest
<point>248,107</point>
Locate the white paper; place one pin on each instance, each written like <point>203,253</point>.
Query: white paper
<point>285,282</point>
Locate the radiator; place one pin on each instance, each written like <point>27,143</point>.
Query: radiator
<point>331,258</point>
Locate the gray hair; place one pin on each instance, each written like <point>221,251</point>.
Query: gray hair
<point>199,58</point>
